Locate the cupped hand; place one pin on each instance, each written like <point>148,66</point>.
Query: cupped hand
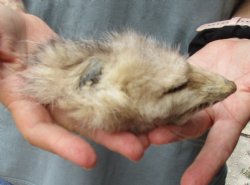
<point>20,34</point>
<point>230,58</point>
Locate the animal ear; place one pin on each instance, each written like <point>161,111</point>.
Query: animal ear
<point>92,72</point>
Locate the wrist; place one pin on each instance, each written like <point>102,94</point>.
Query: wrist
<point>236,27</point>
<point>235,21</point>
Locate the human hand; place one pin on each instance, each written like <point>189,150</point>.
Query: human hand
<point>230,58</point>
<point>32,119</point>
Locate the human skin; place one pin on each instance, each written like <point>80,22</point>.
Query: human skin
<point>230,60</point>
<point>225,119</point>
<point>39,128</point>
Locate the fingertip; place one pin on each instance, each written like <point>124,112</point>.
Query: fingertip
<point>87,163</point>
<point>195,176</point>
<point>189,179</point>
<point>67,145</point>
<point>83,155</point>
<point>123,143</point>
<point>77,151</point>
<point>132,148</point>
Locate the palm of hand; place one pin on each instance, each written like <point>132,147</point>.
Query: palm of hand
<point>33,119</point>
<point>231,59</point>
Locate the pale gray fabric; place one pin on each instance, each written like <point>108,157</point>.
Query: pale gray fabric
<point>173,22</point>
<point>170,21</point>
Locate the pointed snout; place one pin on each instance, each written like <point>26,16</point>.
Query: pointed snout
<point>220,88</point>
<point>228,88</point>
<point>213,86</point>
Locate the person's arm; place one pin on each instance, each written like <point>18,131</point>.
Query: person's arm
<point>230,58</point>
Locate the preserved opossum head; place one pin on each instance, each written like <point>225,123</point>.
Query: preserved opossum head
<point>124,82</point>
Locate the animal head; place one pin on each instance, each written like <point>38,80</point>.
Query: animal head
<point>125,82</point>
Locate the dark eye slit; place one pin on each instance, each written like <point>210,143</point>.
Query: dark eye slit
<point>177,88</point>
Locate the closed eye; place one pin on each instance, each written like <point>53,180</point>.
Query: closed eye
<point>177,88</point>
<point>92,72</point>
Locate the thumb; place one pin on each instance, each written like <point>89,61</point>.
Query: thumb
<point>219,145</point>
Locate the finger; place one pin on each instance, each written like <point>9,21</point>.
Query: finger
<point>144,141</point>
<point>165,134</point>
<point>195,127</point>
<point>33,121</point>
<point>219,145</point>
<point>124,143</point>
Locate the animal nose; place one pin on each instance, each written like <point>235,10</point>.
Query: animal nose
<point>228,88</point>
